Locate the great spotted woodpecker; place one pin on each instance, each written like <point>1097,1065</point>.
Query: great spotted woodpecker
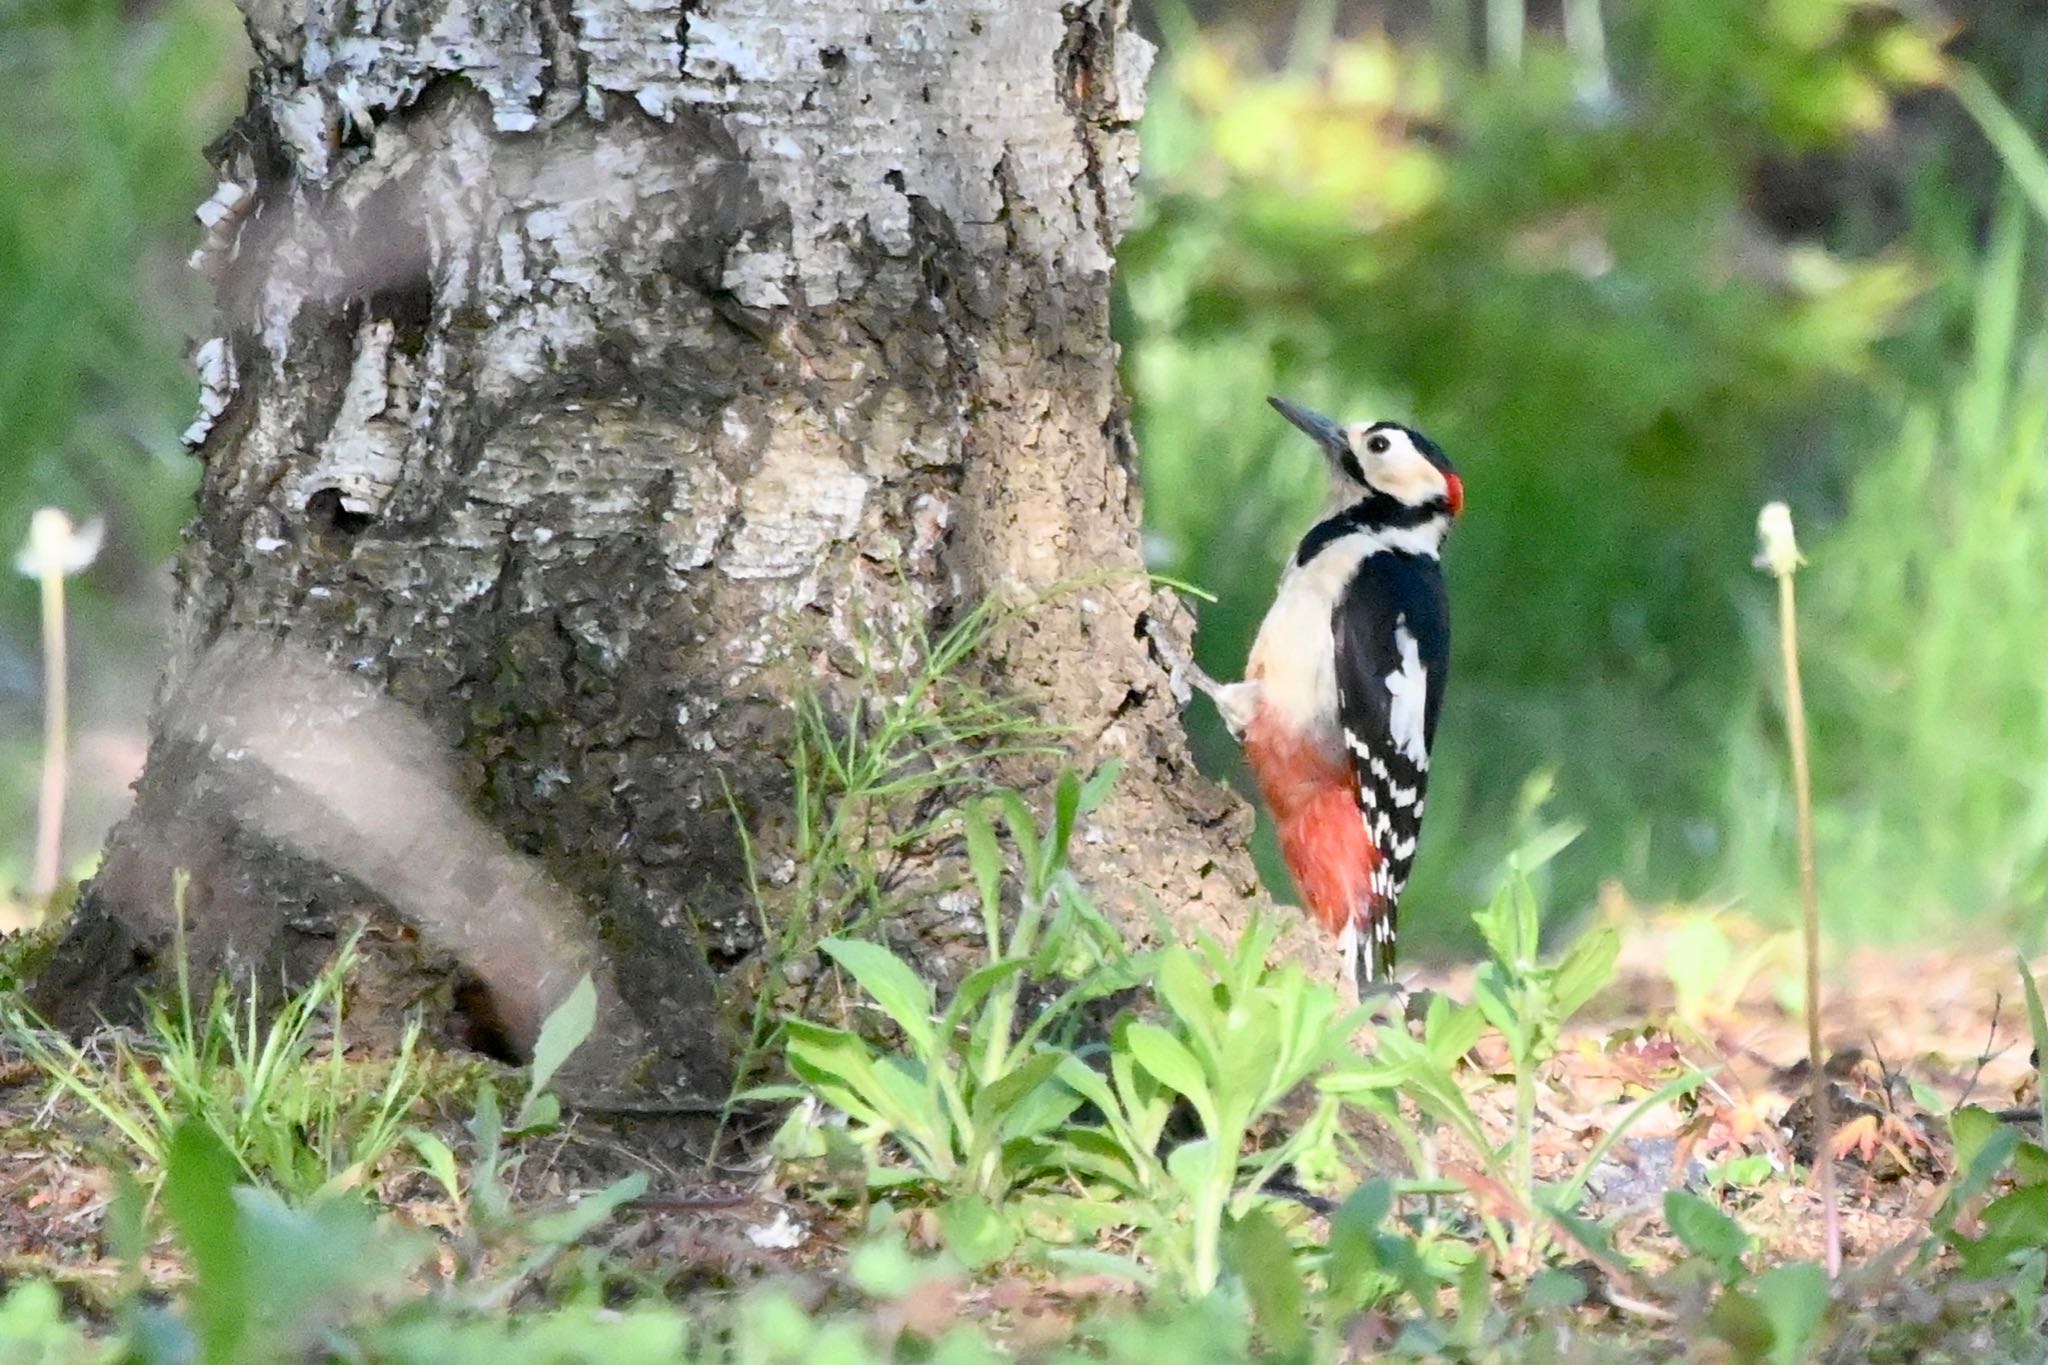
<point>1340,699</point>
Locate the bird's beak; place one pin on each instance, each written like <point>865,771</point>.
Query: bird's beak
<point>1327,434</point>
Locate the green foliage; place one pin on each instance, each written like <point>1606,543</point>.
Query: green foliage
<point>967,1103</point>
<point>105,107</point>
<point>1236,1041</point>
<point>1526,1001</point>
<point>290,1117</point>
<point>1924,620</point>
<point>1566,298</point>
<point>873,787</point>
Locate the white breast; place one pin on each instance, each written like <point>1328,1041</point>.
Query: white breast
<point>1294,658</point>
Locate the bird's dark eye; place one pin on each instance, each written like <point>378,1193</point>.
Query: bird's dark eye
<point>1378,445</point>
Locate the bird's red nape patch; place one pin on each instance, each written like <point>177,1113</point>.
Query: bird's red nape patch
<point>1322,836</point>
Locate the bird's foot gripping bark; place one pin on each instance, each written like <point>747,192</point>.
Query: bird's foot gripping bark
<point>1235,702</point>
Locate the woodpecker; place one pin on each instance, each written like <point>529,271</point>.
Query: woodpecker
<point>1338,707</point>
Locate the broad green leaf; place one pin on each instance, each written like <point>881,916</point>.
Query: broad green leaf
<point>199,1189</point>
<point>2036,1016</point>
<point>438,1159</point>
<point>1066,806</point>
<point>1354,1241</point>
<point>1023,829</point>
<point>975,1231</point>
<point>1096,789</point>
<point>1450,1031</point>
<point>1794,1300</point>
<point>975,989</point>
<point>1553,1288</point>
<point>1191,994</point>
<point>1497,998</point>
<point>1196,1168</point>
<point>1972,1128</point>
<point>1706,1231</point>
<point>566,1028</point>
<point>1585,970</point>
<point>1259,1252</point>
<point>1738,1319</point>
<point>995,1104</point>
<point>903,996</point>
<point>1173,1066</point>
<point>985,857</point>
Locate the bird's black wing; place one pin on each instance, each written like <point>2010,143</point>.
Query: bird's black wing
<point>1392,631</point>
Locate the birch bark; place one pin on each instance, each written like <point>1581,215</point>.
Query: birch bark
<point>589,374</point>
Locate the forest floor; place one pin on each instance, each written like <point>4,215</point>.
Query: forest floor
<point>1912,1033</point>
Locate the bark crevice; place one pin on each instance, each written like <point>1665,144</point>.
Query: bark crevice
<point>598,375</point>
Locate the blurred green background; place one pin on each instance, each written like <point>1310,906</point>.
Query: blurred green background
<point>1639,265</point>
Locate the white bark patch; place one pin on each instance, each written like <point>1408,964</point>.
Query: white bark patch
<point>216,387</point>
<point>797,504</point>
<point>690,528</point>
<point>632,49</point>
<point>368,63</point>
<point>308,129</point>
<point>218,217</point>
<point>362,454</point>
<point>873,92</point>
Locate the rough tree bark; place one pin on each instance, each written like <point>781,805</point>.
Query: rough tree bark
<point>588,373</point>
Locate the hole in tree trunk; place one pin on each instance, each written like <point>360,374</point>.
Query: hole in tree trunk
<point>326,512</point>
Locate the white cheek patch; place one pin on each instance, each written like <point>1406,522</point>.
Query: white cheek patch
<point>1405,473</point>
<point>1408,687</point>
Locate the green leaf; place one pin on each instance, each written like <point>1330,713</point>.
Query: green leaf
<point>995,1103</point>
<point>1096,789</point>
<point>1794,1300</point>
<point>1066,806</point>
<point>438,1159</point>
<point>2038,1018</point>
<point>1190,993</point>
<point>1587,968</point>
<point>1738,1319</point>
<point>566,1028</point>
<point>1706,1231</point>
<point>903,996</point>
<point>974,989</point>
<point>1353,1248</point>
<point>1023,829</point>
<point>1194,1166</point>
<point>199,1196</point>
<point>1173,1066</point>
<point>1259,1252</point>
<point>975,1231</point>
<point>985,857</point>
<point>1554,1288</point>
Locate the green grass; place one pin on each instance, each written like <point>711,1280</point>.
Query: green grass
<point>289,1112</point>
<point>1557,298</point>
<point>1925,616</point>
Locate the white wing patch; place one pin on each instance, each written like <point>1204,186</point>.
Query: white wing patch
<point>1408,688</point>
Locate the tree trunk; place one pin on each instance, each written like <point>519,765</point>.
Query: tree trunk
<point>593,376</point>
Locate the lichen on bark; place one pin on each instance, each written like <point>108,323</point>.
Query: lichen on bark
<point>590,373</point>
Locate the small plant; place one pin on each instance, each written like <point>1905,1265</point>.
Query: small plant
<point>1527,1002</point>
<point>56,549</point>
<point>1237,1040</point>
<point>293,1119</point>
<point>968,1103</point>
<point>873,788</point>
<point>491,1220</point>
